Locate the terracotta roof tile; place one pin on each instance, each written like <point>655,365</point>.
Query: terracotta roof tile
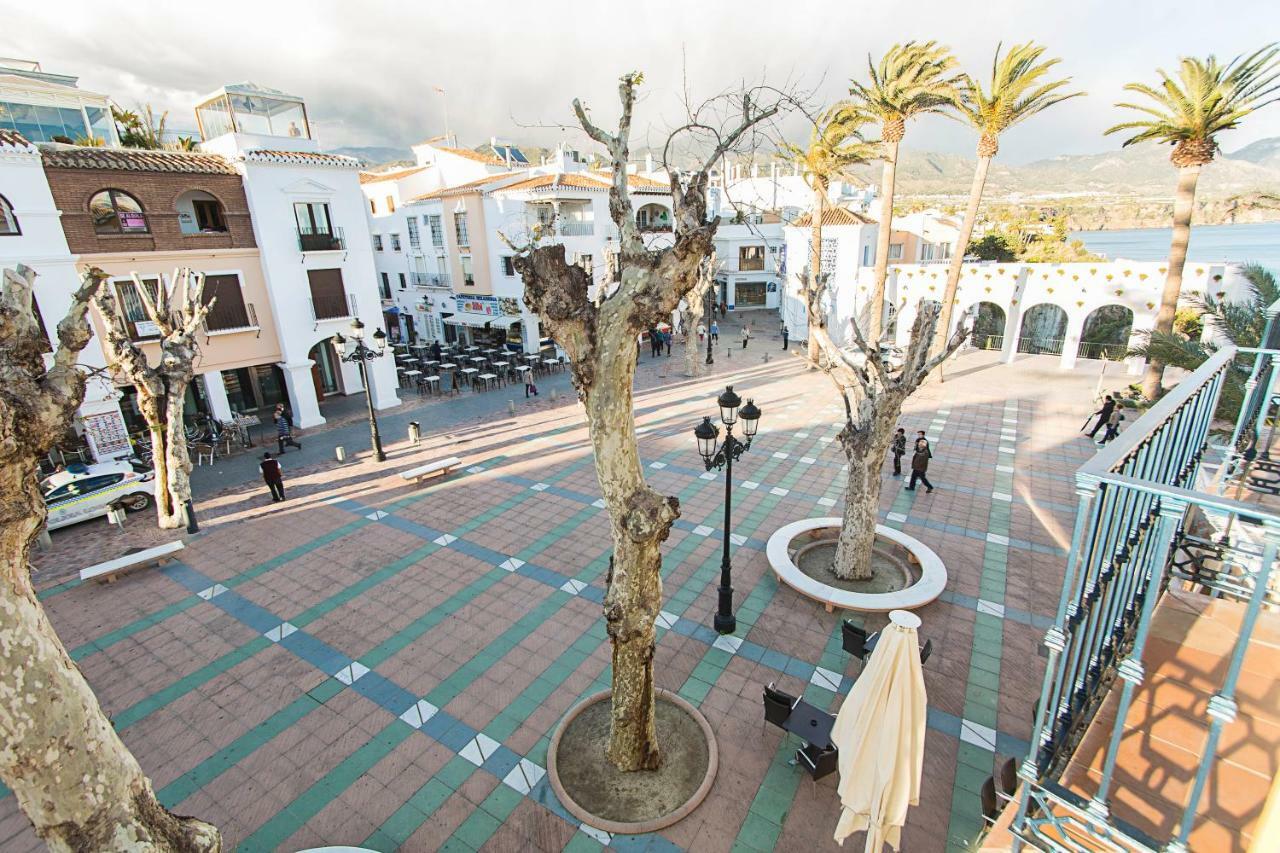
<point>469,187</point>
<point>58,156</point>
<point>571,180</point>
<point>393,175</point>
<point>13,139</point>
<point>468,154</point>
<point>304,158</point>
<point>835,216</point>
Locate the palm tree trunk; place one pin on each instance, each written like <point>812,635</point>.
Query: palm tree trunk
<point>1183,203</point>
<point>943,331</point>
<point>812,301</point>
<point>888,177</point>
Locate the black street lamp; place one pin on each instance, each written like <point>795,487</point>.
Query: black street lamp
<point>710,315</point>
<point>354,351</point>
<point>723,456</point>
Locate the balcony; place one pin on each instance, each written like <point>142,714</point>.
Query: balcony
<point>570,228</point>
<point>654,227</point>
<point>429,279</point>
<point>1156,720</point>
<point>225,319</point>
<point>316,240</point>
<point>332,306</point>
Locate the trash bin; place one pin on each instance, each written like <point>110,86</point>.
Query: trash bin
<point>415,432</point>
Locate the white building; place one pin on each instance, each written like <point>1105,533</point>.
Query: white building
<point>923,237</point>
<point>848,245</point>
<point>309,221</point>
<point>31,233</point>
<point>751,259</point>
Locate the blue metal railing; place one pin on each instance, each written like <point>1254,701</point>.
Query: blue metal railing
<point>1134,499</point>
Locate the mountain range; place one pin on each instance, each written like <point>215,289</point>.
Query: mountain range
<point>1142,171</point>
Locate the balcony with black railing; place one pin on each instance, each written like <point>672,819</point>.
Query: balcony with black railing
<point>429,279</point>
<point>321,240</point>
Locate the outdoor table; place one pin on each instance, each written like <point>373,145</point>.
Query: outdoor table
<point>470,374</point>
<point>487,378</point>
<point>432,384</point>
<point>502,366</point>
<point>552,362</point>
<point>411,377</point>
<point>523,369</point>
<point>447,365</point>
<point>810,723</point>
<point>471,349</point>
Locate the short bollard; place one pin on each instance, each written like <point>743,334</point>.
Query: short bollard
<point>341,453</point>
<point>511,407</point>
<point>555,395</point>
<point>415,433</point>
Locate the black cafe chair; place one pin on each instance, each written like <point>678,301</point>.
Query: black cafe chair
<point>818,762</point>
<point>777,705</point>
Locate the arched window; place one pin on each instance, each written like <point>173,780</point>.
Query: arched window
<point>117,212</point>
<point>8,222</point>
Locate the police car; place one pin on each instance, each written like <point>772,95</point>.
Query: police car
<point>82,492</point>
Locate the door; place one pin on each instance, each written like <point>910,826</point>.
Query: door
<point>749,294</point>
<point>318,381</point>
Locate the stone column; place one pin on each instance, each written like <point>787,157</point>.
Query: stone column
<point>1071,340</point>
<point>302,393</point>
<point>1012,328</point>
<point>215,391</point>
<point>383,381</point>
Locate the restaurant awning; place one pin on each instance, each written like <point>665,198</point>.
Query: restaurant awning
<point>479,321</point>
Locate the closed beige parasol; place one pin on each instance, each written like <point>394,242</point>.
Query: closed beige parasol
<point>880,734</point>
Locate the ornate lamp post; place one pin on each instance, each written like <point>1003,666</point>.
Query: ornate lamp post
<point>354,351</point>
<point>723,455</point>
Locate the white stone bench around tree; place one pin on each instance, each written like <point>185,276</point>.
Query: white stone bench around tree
<point>108,571</point>
<point>932,581</point>
<point>441,466</point>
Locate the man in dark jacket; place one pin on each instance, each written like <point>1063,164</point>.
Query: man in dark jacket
<point>899,449</point>
<point>920,466</point>
<point>273,477</point>
<point>1104,415</point>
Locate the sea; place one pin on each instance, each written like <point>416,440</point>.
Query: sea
<point>1254,242</point>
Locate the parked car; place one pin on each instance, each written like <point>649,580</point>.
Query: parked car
<point>82,492</point>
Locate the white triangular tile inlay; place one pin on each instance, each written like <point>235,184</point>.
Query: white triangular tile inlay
<point>281,631</point>
<point>445,539</point>
<point>727,643</point>
<point>418,713</point>
<point>479,749</point>
<point>351,673</point>
<point>511,564</point>
<point>212,592</point>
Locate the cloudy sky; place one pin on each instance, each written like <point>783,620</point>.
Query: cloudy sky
<point>368,69</point>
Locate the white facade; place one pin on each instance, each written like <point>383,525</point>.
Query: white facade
<point>41,245</point>
<point>751,258</point>
<point>279,175</point>
<point>846,249</point>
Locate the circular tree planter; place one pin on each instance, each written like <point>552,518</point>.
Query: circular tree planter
<point>600,795</point>
<point>925,577</point>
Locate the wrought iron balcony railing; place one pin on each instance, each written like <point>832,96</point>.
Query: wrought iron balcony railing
<point>320,240</point>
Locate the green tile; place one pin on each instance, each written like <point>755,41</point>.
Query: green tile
<point>457,771</point>
<point>476,829</point>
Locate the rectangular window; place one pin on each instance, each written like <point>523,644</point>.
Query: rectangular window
<point>136,317</point>
<point>508,265</point>
<point>229,310</point>
<point>437,231</point>
<point>208,215</point>
<point>385,289</point>
<point>395,242</point>
<point>328,295</point>
<point>313,218</point>
<point>750,258</point>
<point>460,229</point>
<point>467,277</point>
<point>391,204</point>
<point>377,242</point>
<point>414,241</point>
<point>895,251</point>
<point>866,256</point>
<point>373,206</point>
<point>403,282</point>
<point>586,262</point>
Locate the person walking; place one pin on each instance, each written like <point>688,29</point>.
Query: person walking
<point>284,429</point>
<point>899,449</point>
<point>1104,415</point>
<point>785,336</point>
<point>529,386</point>
<point>702,332</point>
<point>272,476</point>
<point>746,335</point>
<point>920,466</point>
<point>724,308</point>
<point>435,350</point>
<point>1113,427</point>
<point>666,340</point>
<point>715,332</point>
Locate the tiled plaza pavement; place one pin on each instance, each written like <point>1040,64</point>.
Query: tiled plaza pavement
<point>383,665</point>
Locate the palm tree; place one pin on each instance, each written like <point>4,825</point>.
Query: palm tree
<point>835,146</point>
<point>1019,89</point>
<point>1187,112</point>
<point>912,79</point>
<point>1239,323</point>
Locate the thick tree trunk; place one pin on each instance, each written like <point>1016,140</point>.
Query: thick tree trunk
<point>888,178</point>
<point>865,451</point>
<point>1183,203</point>
<point>177,459</point>
<point>813,302</point>
<point>641,520</point>
<point>74,779</point>
<point>692,346</point>
<point>943,332</point>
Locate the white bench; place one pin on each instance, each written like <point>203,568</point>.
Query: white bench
<point>443,466</point>
<point>151,556</point>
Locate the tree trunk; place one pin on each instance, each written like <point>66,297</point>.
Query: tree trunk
<point>813,303</point>
<point>865,451</point>
<point>177,459</point>
<point>943,332</point>
<point>888,177</point>
<point>641,520</point>
<point>1183,204</point>
<point>691,317</point>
